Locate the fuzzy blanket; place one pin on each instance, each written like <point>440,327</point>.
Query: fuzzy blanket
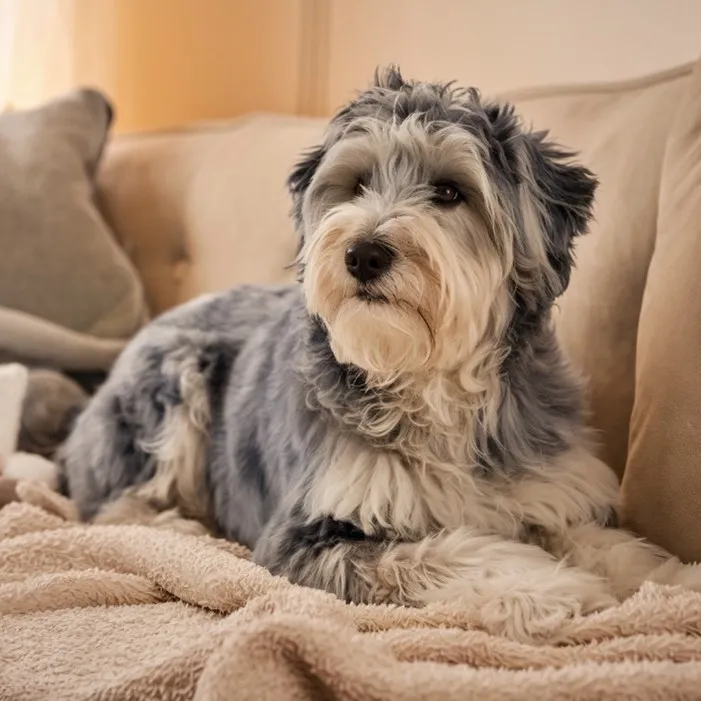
<point>129,612</point>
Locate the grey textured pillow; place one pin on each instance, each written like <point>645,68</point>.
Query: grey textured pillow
<point>58,259</point>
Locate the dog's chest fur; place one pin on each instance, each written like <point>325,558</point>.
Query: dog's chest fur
<point>388,495</point>
<point>406,465</point>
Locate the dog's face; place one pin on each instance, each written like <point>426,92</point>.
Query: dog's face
<point>430,222</point>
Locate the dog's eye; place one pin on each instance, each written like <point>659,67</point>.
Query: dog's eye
<point>446,194</point>
<point>359,187</point>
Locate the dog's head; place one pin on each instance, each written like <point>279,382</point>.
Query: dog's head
<point>430,221</point>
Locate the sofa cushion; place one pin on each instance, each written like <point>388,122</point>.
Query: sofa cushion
<point>662,484</point>
<point>60,263</point>
<point>621,130</point>
<point>206,209</point>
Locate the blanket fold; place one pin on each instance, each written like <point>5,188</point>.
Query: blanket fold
<point>130,612</point>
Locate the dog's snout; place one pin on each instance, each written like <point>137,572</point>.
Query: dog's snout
<point>368,260</point>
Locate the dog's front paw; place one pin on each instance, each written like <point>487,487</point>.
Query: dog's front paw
<point>529,616</point>
<point>524,617</point>
<point>536,609</point>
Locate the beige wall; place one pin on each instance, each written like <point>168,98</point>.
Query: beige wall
<point>164,62</point>
<point>204,59</point>
<point>170,62</point>
<point>503,44</point>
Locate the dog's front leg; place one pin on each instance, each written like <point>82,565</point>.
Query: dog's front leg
<point>623,559</point>
<point>516,587</point>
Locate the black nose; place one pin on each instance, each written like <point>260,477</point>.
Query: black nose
<point>367,260</point>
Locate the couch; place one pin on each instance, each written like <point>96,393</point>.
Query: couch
<point>204,208</point>
<point>122,612</point>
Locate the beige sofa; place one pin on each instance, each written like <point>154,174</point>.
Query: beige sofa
<point>136,612</point>
<point>205,208</point>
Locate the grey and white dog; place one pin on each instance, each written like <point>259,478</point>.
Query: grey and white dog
<point>402,425</point>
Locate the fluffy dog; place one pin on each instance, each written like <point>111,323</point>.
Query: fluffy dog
<point>401,426</point>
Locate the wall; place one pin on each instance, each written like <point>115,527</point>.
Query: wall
<point>164,62</point>
<point>170,62</point>
<point>503,44</point>
<point>205,59</point>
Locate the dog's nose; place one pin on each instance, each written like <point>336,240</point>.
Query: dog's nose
<point>366,260</point>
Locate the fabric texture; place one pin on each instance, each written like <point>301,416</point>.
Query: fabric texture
<point>34,341</point>
<point>129,612</point>
<point>662,483</point>
<point>203,210</point>
<point>60,263</point>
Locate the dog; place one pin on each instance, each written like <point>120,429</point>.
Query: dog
<point>401,426</point>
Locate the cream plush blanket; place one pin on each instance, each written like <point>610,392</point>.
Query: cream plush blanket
<point>130,612</point>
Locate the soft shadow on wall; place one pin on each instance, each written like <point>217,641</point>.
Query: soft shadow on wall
<point>166,63</point>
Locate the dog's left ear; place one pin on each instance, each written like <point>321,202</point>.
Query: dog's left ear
<point>564,197</point>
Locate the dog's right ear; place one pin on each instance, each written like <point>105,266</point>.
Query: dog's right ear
<point>301,177</point>
<point>388,78</point>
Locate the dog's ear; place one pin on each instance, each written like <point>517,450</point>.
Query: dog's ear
<point>564,196</point>
<point>561,190</point>
<point>301,177</point>
<point>389,78</point>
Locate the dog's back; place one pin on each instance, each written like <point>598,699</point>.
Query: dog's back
<point>143,445</point>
